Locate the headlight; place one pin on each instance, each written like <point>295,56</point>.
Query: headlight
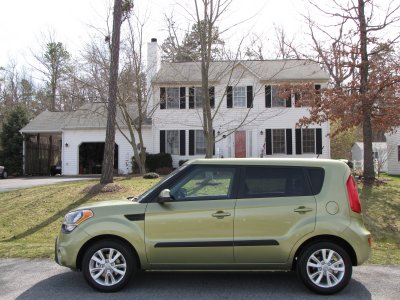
<point>74,218</point>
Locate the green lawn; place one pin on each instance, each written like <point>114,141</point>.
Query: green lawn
<point>31,218</point>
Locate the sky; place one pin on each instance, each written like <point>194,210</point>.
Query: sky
<point>24,22</point>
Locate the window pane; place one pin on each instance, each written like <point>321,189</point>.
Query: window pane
<point>264,182</point>
<point>200,145</point>
<point>276,101</point>
<point>317,179</point>
<point>204,183</point>
<point>172,97</point>
<point>278,141</point>
<point>239,96</point>
<point>172,141</point>
<point>308,141</point>
<point>198,99</point>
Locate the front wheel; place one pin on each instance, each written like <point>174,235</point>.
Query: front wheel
<point>108,265</point>
<point>324,268</point>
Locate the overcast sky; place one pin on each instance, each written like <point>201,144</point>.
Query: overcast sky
<point>23,22</point>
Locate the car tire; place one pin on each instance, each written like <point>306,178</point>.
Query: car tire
<point>4,175</point>
<point>108,265</point>
<point>324,268</point>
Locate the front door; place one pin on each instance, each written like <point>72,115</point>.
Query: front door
<point>196,225</point>
<point>274,210</point>
<point>240,144</point>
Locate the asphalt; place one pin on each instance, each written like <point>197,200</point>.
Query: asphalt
<point>44,279</point>
<point>12,184</point>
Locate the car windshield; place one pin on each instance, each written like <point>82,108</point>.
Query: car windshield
<point>154,187</point>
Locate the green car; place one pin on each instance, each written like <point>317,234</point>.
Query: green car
<point>225,214</point>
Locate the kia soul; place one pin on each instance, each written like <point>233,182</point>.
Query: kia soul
<point>302,215</point>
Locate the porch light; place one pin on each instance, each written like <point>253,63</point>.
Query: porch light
<point>261,132</point>
<point>66,144</point>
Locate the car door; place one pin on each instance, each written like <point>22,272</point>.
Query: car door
<point>196,225</point>
<point>275,208</point>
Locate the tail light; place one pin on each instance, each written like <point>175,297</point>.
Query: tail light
<point>353,195</point>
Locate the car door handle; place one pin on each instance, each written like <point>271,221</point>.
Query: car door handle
<point>302,209</point>
<point>221,214</point>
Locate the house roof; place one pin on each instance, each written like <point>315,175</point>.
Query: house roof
<point>264,70</point>
<point>89,116</point>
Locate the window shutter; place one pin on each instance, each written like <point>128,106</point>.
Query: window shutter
<point>191,97</point>
<point>268,96</point>
<point>182,142</point>
<point>211,92</point>
<point>289,146</point>
<point>162,141</point>
<point>162,98</point>
<point>317,87</point>
<point>298,141</point>
<point>249,96</point>
<point>318,139</point>
<point>268,141</point>
<point>214,142</point>
<point>289,101</point>
<point>229,97</point>
<point>191,142</point>
<point>182,98</point>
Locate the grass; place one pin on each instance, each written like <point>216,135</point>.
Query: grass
<point>31,218</point>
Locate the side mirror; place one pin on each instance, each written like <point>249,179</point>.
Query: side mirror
<point>164,196</point>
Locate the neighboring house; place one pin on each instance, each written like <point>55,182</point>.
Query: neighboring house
<point>76,141</point>
<point>252,121</point>
<point>380,154</point>
<point>393,143</point>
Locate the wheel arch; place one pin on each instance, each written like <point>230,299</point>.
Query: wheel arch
<point>325,238</point>
<point>95,239</point>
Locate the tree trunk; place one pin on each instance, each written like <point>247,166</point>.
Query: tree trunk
<point>369,172</point>
<point>108,160</point>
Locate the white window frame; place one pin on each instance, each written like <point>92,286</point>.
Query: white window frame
<point>284,141</point>
<point>239,100</point>
<point>302,140</point>
<point>171,149</point>
<point>169,100</point>
<point>197,134</point>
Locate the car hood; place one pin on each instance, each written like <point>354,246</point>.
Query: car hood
<point>111,207</point>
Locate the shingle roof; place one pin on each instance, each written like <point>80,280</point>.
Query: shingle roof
<point>265,70</point>
<point>89,116</point>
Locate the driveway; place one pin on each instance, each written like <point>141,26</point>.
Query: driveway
<point>44,279</point>
<point>12,184</point>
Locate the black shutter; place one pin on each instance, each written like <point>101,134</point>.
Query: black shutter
<point>191,97</point>
<point>182,142</point>
<point>268,96</point>
<point>298,141</point>
<point>289,146</point>
<point>191,142</point>
<point>318,138</point>
<point>162,141</point>
<point>211,93</point>
<point>182,98</point>
<point>249,96</point>
<point>289,101</point>
<point>268,141</point>
<point>229,97</point>
<point>317,87</point>
<point>163,103</point>
<point>214,142</point>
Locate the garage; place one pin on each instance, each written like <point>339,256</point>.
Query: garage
<point>91,157</point>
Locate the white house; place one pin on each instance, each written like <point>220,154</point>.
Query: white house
<point>393,144</point>
<point>250,120</point>
<point>379,151</point>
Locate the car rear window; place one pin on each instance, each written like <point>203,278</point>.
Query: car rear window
<point>316,176</point>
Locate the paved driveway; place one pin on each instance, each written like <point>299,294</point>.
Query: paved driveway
<point>44,279</point>
<point>11,184</point>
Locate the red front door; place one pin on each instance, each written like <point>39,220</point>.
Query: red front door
<point>240,144</point>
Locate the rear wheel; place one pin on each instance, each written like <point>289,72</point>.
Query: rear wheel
<point>324,268</point>
<point>5,175</point>
<point>108,265</point>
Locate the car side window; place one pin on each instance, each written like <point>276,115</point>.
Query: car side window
<point>270,181</point>
<point>204,183</point>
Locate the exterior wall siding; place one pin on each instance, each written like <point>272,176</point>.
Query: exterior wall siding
<point>393,142</point>
<point>74,138</point>
<point>253,121</point>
